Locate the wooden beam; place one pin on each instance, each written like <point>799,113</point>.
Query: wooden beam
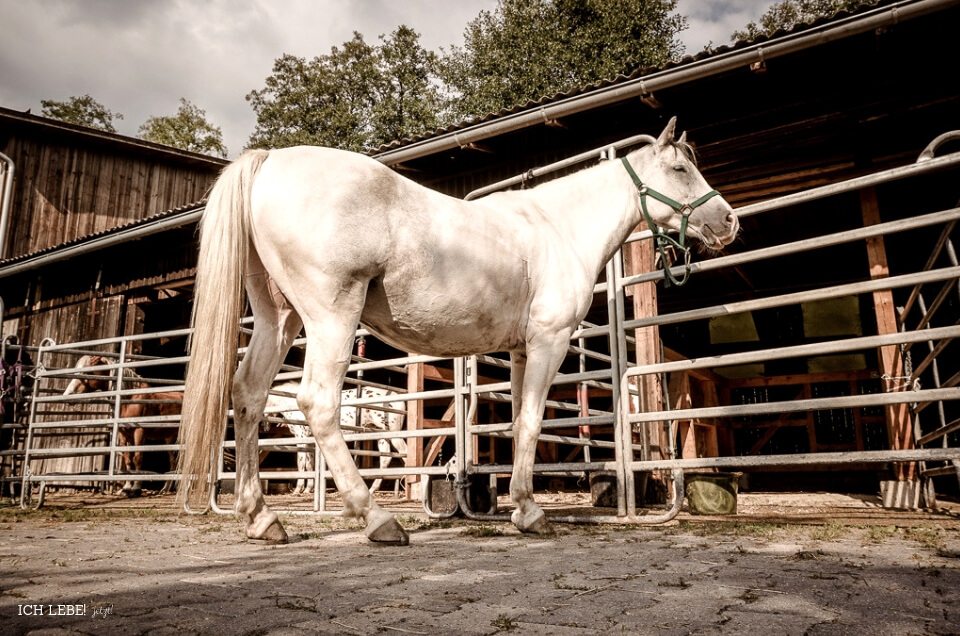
<point>756,448</point>
<point>708,393</point>
<point>640,258</point>
<point>435,446</point>
<point>899,429</point>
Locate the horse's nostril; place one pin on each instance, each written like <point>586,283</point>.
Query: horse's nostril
<point>731,219</point>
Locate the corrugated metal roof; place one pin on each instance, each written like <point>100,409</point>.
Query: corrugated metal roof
<point>144,222</point>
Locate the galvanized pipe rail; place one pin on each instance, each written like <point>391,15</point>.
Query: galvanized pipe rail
<point>941,432</point>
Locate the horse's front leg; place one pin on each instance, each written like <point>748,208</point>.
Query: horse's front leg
<point>534,370</point>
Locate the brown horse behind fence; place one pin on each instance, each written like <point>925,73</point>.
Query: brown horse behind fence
<point>137,406</point>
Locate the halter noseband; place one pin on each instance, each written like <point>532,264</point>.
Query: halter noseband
<point>660,236</point>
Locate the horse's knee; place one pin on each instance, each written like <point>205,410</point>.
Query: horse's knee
<point>319,407</point>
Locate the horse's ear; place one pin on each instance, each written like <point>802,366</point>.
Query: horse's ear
<point>683,138</point>
<point>666,137</point>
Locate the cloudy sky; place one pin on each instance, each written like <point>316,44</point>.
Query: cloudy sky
<point>139,57</point>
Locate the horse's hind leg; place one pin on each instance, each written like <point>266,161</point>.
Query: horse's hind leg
<point>275,327</point>
<point>330,334</point>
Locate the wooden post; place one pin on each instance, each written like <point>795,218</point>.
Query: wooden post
<point>899,429</point>
<point>678,390</point>
<point>713,441</point>
<point>414,423</point>
<point>640,258</point>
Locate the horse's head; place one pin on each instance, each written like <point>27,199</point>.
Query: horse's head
<point>84,385</point>
<point>676,196</point>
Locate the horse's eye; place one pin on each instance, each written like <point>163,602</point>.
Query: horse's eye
<point>680,167</point>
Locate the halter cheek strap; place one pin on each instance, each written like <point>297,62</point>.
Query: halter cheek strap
<point>660,236</point>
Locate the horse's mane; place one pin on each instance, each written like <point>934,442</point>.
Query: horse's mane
<point>682,147</point>
<point>687,150</point>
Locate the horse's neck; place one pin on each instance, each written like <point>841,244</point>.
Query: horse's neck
<point>595,209</point>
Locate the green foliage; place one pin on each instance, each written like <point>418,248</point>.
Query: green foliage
<point>526,49</point>
<point>356,97</point>
<point>409,100</point>
<point>788,13</point>
<point>187,130</point>
<point>504,623</point>
<point>83,111</point>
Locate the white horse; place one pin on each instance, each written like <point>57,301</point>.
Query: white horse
<point>371,418</point>
<point>326,239</point>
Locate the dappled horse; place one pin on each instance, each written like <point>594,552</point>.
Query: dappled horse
<point>372,418</point>
<point>129,434</point>
<point>325,239</point>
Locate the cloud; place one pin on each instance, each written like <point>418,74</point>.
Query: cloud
<point>712,23</point>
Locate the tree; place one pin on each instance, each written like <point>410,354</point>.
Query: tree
<point>83,111</point>
<point>187,130</point>
<point>356,97</point>
<point>410,100</point>
<point>788,13</point>
<point>526,49</point>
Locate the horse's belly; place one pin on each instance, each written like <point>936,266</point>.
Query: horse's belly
<point>453,323</point>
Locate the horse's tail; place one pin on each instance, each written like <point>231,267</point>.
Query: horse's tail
<point>218,306</point>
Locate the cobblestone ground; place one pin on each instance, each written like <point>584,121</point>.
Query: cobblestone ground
<point>94,567</point>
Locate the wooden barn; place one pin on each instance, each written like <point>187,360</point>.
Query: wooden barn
<point>75,190</point>
<point>101,231</point>
<point>72,190</point>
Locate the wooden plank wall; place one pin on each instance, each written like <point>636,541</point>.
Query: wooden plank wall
<point>63,192</point>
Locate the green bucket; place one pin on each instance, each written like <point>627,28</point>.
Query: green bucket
<point>712,493</point>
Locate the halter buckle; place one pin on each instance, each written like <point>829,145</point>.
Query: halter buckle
<point>686,209</point>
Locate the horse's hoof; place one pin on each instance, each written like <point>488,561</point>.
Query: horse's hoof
<point>383,528</point>
<point>538,525</point>
<point>131,494</point>
<point>273,535</point>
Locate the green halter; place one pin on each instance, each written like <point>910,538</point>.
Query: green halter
<point>660,235</point>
